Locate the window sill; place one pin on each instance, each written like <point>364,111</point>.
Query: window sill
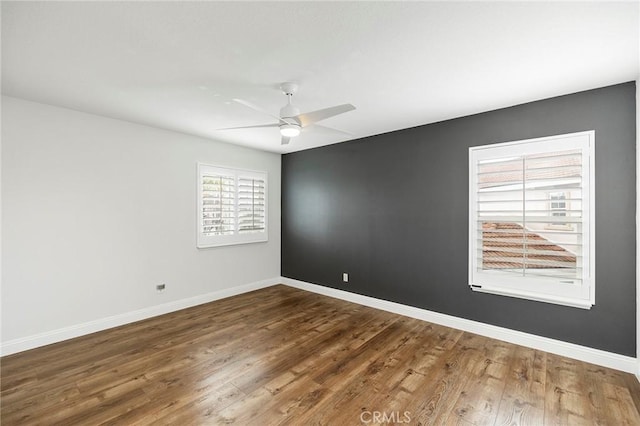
<point>575,303</point>
<point>231,240</point>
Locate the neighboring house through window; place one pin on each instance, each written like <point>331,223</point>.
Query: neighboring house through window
<point>558,205</point>
<point>232,206</point>
<point>531,221</point>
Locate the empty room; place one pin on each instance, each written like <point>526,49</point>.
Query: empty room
<point>319,213</point>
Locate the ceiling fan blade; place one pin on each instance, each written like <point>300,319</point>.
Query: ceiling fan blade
<point>251,127</point>
<point>285,140</point>
<point>331,129</point>
<point>322,114</point>
<point>257,108</point>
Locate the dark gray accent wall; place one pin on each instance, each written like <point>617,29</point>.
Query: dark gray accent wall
<point>392,211</point>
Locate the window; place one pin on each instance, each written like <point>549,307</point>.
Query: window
<point>558,208</point>
<point>558,203</point>
<point>232,206</point>
<point>531,219</point>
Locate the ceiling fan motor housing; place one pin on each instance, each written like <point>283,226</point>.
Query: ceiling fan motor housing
<point>289,111</point>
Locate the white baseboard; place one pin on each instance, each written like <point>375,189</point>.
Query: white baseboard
<point>54,336</point>
<point>570,350</point>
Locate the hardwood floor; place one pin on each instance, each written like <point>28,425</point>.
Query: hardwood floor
<point>285,356</point>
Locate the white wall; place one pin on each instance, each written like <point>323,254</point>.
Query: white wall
<point>96,212</point>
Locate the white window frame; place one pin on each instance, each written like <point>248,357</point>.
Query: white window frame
<point>204,240</point>
<point>544,289</point>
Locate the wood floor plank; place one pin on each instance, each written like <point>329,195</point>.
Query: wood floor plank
<point>200,407</point>
<point>276,403</point>
<point>361,388</point>
<point>523,398</point>
<point>479,402</point>
<point>285,356</point>
<point>447,380</point>
<point>620,405</point>
<point>565,402</point>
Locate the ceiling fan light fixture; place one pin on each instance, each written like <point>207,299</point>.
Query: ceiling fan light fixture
<point>290,130</point>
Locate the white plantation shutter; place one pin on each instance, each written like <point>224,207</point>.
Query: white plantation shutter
<point>218,204</point>
<point>251,204</point>
<point>232,206</point>
<point>519,215</point>
<point>531,219</point>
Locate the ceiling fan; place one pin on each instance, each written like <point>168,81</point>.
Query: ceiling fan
<point>291,122</point>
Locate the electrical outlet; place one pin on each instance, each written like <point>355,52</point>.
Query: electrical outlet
<point>345,277</point>
<point>160,287</point>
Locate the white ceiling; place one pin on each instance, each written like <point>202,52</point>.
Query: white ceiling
<point>177,65</point>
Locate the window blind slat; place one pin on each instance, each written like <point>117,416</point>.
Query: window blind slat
<point>530,219</point>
